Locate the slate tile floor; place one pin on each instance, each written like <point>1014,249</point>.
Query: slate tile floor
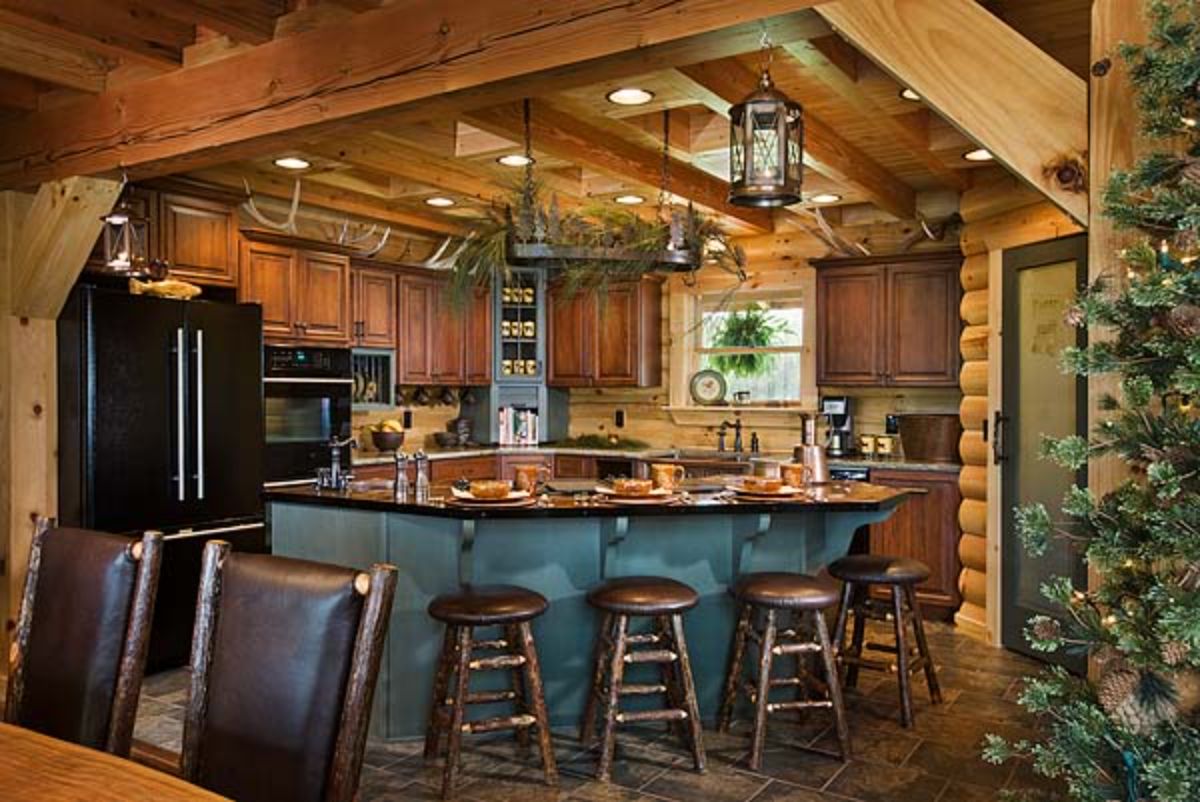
<point>936,761</point>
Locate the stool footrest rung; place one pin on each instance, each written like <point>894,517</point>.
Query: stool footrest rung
<point>652,656</point>
<point>642,690</point>
<point>796,648</point>
<point>485,697</point>
<point>499,723</point>
<point>652,715</point>
<point>500,661</point>
<point>775,707</point>
<point>915,664</point>
<point>643,638</point>
<point>496,644</point>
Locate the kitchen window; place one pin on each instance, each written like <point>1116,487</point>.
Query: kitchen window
<point>760,340</point>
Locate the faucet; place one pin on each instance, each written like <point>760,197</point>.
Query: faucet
<point>737,435</point>
<point>338,479</point>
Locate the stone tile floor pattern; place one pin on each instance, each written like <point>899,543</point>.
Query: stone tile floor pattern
<point>935,761</point>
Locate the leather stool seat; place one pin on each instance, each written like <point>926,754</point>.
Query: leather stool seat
<point>485,605</point>
<point>879,569</point>
<point>643,595</point>
<point>785,591</point>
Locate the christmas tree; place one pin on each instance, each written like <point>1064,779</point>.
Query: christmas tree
<point>1132,731</point>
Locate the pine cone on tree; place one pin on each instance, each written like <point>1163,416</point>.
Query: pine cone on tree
<point>1174,653</point>
<point>1122,695</point>
<point>1183,321</point>
<point>1190,174</point>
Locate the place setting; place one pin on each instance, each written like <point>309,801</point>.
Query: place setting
<point>489,494</point>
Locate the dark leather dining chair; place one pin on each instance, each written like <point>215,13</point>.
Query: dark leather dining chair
<point>285,654</point>
<point>79,652</point>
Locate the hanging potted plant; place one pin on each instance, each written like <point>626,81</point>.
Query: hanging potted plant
<point>751,327</point>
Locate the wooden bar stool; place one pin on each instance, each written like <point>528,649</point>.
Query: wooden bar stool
<point>664,601</point>
<point>901,575</point>
<point>802,599</point>
<point>510,608</point>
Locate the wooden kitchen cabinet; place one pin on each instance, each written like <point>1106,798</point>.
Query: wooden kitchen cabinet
<point>453,469</point>
<point>305,295</point>
<point>509,462</point>
<point>610,341</point>
<point>373,307</point>
<point>926,528</point>
<point>198,238</point>
<point>442,343</point>
<point>889,324</point>
<point>574,466</point>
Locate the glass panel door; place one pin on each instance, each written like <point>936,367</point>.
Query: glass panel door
<point>1040,400</point>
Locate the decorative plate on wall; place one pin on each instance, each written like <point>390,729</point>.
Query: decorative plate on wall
<point>708,387</point>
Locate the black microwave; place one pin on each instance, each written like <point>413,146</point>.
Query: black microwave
<point>306,403</point>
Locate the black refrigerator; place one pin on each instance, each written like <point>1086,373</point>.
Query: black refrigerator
<point>161,427</point>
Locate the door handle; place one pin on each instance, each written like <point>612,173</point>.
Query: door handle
<point>180,419</point>
<point>998,423</point>
<point>200,413</point>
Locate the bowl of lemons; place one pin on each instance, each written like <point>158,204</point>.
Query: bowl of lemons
<point>387,435</point>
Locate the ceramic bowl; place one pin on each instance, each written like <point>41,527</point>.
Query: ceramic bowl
<point>490,489</point>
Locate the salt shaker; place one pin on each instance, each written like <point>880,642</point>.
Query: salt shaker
<point>422,462</point>
<point>400,485</point>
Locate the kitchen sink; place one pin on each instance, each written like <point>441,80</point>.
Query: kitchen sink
<point>706,455</point>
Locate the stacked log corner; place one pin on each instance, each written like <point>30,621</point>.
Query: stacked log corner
<point>973,413</point>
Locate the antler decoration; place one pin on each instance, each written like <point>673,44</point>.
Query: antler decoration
<point>349,240</point>
<point>823,231</point>
<point>437,262</point>
<point>288,225</point>
<point>931,231</point>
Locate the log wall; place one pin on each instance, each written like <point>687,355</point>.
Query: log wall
<point>997,216</point>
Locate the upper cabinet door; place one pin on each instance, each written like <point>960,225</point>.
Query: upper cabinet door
<point>323,297</point>
<point>447,346</point>
<point>570,338</point>
<point>923,325</point>
<point>629,336</point>
<point>416,321</point>
<point>374,318</point>
<point>266,279</point>
<point>478,332</point>
<point>850,325</point>
<point>199,239</point>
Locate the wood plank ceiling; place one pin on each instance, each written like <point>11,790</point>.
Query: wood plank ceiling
<point>881,155</point>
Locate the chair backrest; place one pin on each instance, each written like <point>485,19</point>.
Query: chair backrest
<point>285,655</point>
<point>79,654</point>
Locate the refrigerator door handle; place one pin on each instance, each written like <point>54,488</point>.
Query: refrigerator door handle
<point>180,421</point>
<point>199,413</point>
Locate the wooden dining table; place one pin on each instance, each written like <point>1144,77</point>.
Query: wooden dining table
<point>38,768</point>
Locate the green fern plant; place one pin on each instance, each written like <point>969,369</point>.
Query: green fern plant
<point>751,327</point>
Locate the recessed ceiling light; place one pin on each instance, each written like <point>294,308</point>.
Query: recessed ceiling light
<point>515,160</point>
<point>439,201</point>
<point>909,94</point>
<point>292,163</point>
<point>825,197</point>
<point>629,200</point>
<point>630,96</point>
<point>978,155</point>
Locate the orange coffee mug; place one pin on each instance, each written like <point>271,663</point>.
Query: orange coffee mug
<point>527,477</point>
<point>666,475</point>
<point>794,474</point>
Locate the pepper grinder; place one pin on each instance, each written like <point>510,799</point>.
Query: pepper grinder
<point>422,461</point>
<point>400,485</point>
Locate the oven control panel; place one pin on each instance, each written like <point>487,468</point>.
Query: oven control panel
<point>302,362</point>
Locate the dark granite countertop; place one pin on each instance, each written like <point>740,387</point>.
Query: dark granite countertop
<point>836,496</point>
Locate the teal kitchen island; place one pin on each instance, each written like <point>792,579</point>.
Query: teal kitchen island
<point>561,548</point>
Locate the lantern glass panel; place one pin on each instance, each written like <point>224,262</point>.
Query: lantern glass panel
<point>737,151</point>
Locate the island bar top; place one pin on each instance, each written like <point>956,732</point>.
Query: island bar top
<point>835,496</point>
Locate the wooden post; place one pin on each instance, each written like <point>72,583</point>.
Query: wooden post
<point>44,241</point>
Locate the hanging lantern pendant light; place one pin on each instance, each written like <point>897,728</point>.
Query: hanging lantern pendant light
<point>766,145</point>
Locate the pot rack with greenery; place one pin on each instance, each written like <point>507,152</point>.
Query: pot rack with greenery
<point>594,246</point>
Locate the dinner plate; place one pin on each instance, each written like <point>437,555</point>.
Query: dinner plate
<point>504,504</point>
<point>786,491</point>
<point>641,501</point>
<point>466,495</point>
<point>657,494</point>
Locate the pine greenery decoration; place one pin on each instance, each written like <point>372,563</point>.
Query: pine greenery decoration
<point>1132,733</point>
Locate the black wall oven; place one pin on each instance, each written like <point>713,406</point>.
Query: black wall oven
<point>306,402</point>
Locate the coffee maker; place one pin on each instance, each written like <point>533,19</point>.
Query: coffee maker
<point>839,425</point>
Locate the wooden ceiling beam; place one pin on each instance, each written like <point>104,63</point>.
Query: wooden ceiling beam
<point>452,57</point>
<point>720,84</point>
<point>564,136</point>
<point>997,87</point>
<point>833,62</point>
<point>126,29</point>
<point>18,91</point>
<point>336,199</point>
<point>50,59</point>
<point>250,21</point>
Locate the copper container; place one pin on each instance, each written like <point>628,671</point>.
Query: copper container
<point>930,437</point>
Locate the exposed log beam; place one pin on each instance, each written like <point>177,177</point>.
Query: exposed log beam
<point>565,136</point>
<point>50,58</point>
<point>118,28</point>
<point>452,57</point>
<point>18,91</point>
<point>832,62</point>
<point>251,21</point>
<point>993,84</point>
<point>720,84</point>
<point>354,203</point>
